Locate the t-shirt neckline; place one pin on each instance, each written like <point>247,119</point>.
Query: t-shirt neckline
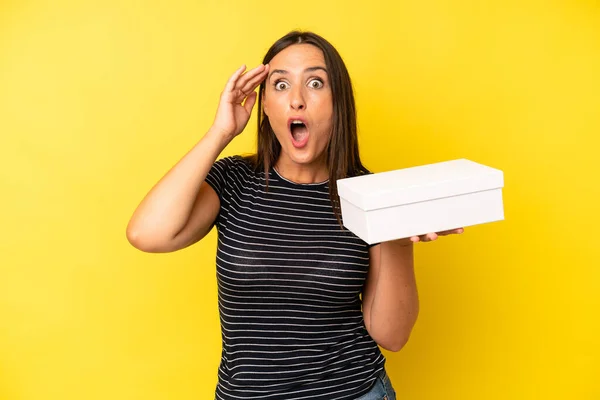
<point>297,183</point>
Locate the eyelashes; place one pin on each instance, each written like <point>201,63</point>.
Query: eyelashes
<point>319,81</point>
<point>280,85</point>
<point>313,83</point>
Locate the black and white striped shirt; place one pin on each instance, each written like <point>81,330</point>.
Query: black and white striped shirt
<point>289,280</point>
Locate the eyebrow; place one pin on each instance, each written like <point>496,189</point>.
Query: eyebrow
<point>283,71</point>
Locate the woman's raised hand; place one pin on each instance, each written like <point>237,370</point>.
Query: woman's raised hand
<point>237,100</point>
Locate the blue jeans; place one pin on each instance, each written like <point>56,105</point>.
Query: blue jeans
<point>382,389</point>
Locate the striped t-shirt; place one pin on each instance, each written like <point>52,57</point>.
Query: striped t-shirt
<point>289,279</point>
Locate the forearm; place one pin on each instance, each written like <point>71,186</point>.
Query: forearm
<point>395,304</point>
<point>165,210</point>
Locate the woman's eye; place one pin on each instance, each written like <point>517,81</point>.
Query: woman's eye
<point>315,84</point>
<point>280,85</point>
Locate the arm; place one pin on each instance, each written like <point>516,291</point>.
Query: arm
<point>181,208</point>
<point>390,298</point>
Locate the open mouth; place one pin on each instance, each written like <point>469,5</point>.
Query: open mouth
<point>299,132</point>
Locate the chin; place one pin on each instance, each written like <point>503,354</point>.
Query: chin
<point>304,156</point>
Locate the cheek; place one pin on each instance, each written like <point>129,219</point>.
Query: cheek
<point>274,108</point>
<point>323,107</point>
<point>322,102</point>
<point>276,112</point>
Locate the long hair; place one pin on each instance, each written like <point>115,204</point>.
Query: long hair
<point>343,159</point>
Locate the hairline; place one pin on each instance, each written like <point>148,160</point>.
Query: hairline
<point>309,69</point>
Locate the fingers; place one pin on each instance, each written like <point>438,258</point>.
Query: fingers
<point>451,231</point>
<point>252,79</point>
<point>424,238</point>
<point>233,79</point>
<point>250,100</point>
<point>434,235</point>
<point>430,237</point>
<point>243,81</point>
<point>240,84</point>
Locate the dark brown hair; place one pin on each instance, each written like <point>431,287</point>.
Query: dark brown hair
<point>343,159</point>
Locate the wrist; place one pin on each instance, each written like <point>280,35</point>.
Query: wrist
<point>220,135</point>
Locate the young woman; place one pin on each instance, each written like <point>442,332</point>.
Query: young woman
<point>304,303</point>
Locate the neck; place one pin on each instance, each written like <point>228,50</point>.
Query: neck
<point>316,172</point>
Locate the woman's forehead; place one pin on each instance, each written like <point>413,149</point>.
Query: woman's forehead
<point>298,57</point>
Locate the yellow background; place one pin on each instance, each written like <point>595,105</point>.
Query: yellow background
<point>99,98</point>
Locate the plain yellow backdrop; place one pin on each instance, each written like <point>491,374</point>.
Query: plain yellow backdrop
<point>99,98</point>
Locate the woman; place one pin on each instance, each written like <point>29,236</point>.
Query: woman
<point>290,277</point>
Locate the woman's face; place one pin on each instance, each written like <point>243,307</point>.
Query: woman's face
<point>298,103</point>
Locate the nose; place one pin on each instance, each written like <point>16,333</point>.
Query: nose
<point>297,99</point>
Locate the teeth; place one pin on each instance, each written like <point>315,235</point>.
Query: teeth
<point>297,122</point>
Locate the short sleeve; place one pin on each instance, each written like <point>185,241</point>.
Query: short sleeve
<point>219,178</point>
<point>219,173</point>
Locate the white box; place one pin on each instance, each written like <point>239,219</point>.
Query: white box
<point>418,200</point>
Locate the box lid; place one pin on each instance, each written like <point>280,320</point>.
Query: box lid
<point>420,183</point>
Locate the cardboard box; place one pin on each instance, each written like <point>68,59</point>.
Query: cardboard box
<point>422,199</point>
